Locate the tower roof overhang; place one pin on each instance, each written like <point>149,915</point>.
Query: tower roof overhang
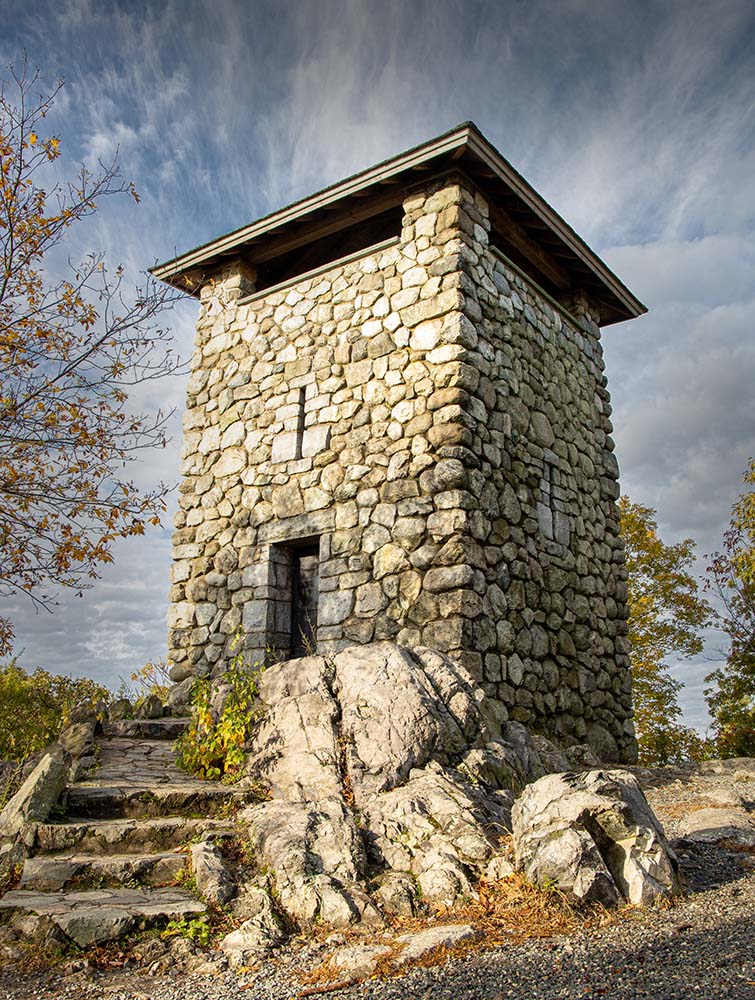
<point>534,234</point>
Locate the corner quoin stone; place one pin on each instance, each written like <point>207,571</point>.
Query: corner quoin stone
<point>436,427</point>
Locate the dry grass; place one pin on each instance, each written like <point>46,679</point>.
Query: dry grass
<point>514,910</point>
<point>508,911</point>
<point>678,810</point>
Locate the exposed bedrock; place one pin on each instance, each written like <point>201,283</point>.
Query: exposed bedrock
<point>594,836</point>
<point>383,760</point>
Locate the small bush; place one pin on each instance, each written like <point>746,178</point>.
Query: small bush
<point>214,744</point>
<point>35,707</point>
<point>151,679</point>
<point>196,929</point>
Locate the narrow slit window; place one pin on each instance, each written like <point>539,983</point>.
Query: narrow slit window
<point>300,423</point>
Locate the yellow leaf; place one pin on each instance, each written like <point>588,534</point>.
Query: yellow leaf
<point>32,138</point>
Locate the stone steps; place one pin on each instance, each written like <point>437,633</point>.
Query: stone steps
<point>46,873</point>
<point>94,916</point>
<point>122,836</point>
<point>93,800</point>
<point>146,729</point>
<point>111,865</point>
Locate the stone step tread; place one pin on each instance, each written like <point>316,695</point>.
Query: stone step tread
<point>129,836</point>
<point>129,760</point>
<point>136,744</point>
<point>149,750</point>
<point>98,915</point>
<point>111,801</point>
<point>156,729</point>
<point>52,873</point>
<point>95,788</point>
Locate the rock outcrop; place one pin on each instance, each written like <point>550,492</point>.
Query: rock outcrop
<point>38,794</point>
<point>388,785</point>
<point>380,759</point>
<point>214,882</point>
<point>594,836</point>
<point>719,823</point>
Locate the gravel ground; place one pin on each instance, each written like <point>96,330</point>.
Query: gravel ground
<point>702,947</point>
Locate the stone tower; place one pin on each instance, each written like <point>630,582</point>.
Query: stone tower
<point>398,427</point>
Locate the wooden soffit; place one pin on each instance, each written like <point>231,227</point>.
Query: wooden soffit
<point>534,234</point>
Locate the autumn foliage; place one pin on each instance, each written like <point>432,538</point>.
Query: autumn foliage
<point>666,615</point>
<point>732,578</point>
<point>73,342</point>
<point>34,707</point>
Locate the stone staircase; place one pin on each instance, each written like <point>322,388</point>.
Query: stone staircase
<point>115,859</point>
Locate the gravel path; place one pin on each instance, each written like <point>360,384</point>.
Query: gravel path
<point>702,947</point>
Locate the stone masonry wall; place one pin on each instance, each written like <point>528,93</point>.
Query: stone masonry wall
<point>439,431</point>
<point>546,523</point>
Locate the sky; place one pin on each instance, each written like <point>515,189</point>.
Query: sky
<point>634,119</point>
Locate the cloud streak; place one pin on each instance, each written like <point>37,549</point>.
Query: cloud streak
<point>635,119</point>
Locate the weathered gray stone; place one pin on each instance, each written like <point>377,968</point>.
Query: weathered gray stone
<point>121,834</point>
<point>317,857</point>
<point>397,894</point>
<point>406,739</point>
<point>122,708</point>
<point>150,708</point>
<point>439,828</point>
<point>179,696</point>
<point>716,824</point>
<point>94,916</point>
<point>54,873</point>
<point>93,926</point>
<point>595,836</point>
<point>78,739</point>
<point>498,868</point>
<point>420,943</point>
<point>358,961</point>
<point>36,797</point>
<point>295,749</point>
<point>259,933</point>
<point>214,882</point>
<point>400,711</point>
<point>12,854</point>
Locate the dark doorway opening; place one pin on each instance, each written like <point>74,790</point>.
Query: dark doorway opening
<point>305,592</point>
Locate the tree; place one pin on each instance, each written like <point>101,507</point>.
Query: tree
<point>35,707</point>
<point>71,349</point>
<point>732,577</point>
<point>666,614</point>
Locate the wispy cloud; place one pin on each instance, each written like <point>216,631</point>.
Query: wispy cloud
<point>635,119</point>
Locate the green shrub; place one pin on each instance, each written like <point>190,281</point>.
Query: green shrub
<point>196,929</point>
<point>35,707</point>
<point>214,744</point>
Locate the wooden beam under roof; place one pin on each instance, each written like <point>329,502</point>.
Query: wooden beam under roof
<point>365,209</point>
<point>562,251</point>
<point>532,251</point>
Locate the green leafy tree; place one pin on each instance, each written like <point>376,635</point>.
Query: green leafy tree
<point>666,615</point>
<point>35,707</point>
<point>732,576</point>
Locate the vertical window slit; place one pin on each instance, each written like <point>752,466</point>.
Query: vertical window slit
<point>300,423</point>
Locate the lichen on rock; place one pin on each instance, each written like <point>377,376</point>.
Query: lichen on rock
<point>382,761</point>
